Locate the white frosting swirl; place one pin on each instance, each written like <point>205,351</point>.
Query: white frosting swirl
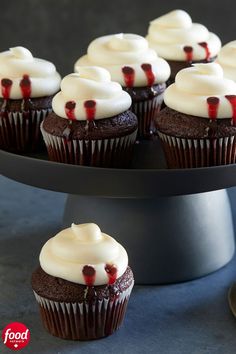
<point>114,52</point>
<point>194,85</point>
<point>227,59</point>
<point>66,254</point>
<point>169,34</point>
<point>18,62</point>
<point>91,84</point>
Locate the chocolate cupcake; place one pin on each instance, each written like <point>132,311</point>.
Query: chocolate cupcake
<point>27,87</point>
<point>175,38</point>
<point>137,68</point>
<point>83,283</point>
<point>198,126</point>
<point>227,60</point>
<point>90,123</point>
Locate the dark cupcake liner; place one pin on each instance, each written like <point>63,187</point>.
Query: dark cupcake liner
<point>81,320</point>
<point>20,131</point>
<point>115,152</point>
<point>188,153</point>
<point>146,112</point>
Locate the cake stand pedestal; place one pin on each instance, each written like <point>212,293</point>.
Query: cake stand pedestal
<point>175,224</point>
<point>169,239</point>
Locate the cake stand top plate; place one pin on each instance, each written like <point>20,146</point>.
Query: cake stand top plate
<point>147,178</point>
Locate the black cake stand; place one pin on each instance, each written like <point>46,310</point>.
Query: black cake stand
<point>175,224</point>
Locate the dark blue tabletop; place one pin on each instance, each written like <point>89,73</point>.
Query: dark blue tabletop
<point>191,317</point>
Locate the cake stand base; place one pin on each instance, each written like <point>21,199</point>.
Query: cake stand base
<point>168,239</point>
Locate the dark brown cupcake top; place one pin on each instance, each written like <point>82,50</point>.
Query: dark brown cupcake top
<point>30,104</point>
<point>202,104</point>
<point>145,93</point>
<point>180,125</point>
<point>117,126</point>
<point>61,290</point>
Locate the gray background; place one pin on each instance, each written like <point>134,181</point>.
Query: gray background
<point>182,318</point>
<point>60,30</point>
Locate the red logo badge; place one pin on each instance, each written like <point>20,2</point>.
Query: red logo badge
<point>16,336</point>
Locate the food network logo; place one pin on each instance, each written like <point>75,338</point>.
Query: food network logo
<point>16,336</point>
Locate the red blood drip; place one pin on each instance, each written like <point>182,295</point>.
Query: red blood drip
<point>213,105</point>
<point>111,272</point>
<point>90,108</point>
<point>89,274</point>
<point>147,68</point>
<point>129,74</point>
<point>232,100</point>
<point>6,88</point>
<point>189,53</point>
<point>70,110</point>
<point>25,85</point>
<point>205,46</point>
